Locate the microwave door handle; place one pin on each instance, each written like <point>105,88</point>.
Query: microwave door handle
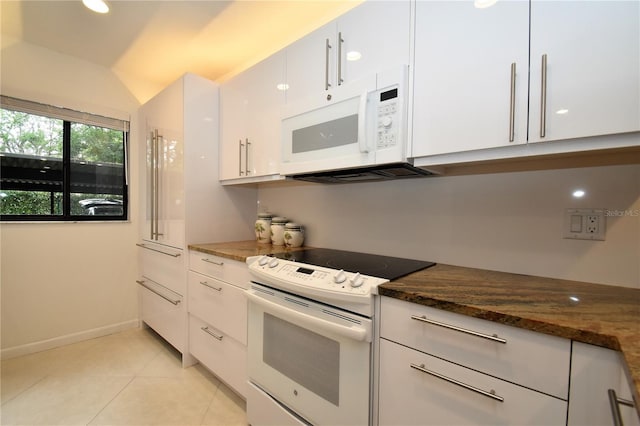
<point>362,124</point>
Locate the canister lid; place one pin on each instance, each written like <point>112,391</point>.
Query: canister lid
<point>280,220</point>
<point>265,215</point>
<point>292,226</point>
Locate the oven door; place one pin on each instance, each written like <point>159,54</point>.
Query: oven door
<point>313,359</point>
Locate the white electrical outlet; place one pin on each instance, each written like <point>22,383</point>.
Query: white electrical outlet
<point>584,224</point>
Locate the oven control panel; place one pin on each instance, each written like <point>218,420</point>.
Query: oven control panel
<point>314,281</point>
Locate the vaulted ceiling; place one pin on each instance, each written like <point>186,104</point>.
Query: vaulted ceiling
<point>158,41</point>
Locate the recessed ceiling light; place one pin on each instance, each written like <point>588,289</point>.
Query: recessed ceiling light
<point>98,6</point>
<point>579,193</point>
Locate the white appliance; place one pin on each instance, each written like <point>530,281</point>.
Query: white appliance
<point>360,128</point>
<point>310,330</point>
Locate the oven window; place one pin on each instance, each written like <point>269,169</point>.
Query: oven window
<point>308,358</point>
<point>330,134</point>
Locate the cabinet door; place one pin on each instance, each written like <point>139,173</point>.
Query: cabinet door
<point>311,65</point>
<point>595,370</point>
<point>164,194</point>
<point>592,53</point>
<point>233,119</point>
<point>375,36</point>
<point>264,83</point>
<point>466,61</point>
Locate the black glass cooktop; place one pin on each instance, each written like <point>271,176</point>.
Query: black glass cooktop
<point>374,265</point>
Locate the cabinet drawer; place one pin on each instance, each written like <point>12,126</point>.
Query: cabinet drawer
<point>164,311</point>
<point>224,356</point>
<point>220,304</point>
<point>411,396</point>
<point>530,359</point>
<point>231,271</point>
<point>163,265</point>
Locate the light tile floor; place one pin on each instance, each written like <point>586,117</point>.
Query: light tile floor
<point>129,378</point>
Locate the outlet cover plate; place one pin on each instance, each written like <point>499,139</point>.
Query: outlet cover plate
<point>584,224</point>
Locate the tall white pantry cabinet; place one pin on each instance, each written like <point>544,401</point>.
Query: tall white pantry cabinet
<point>182,201</point>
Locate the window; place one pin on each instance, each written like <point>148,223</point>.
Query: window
<point>59,164</point>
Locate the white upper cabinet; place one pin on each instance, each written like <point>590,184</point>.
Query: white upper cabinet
<point>251,106</point>
<point>520,71</point>
<point>369,38</point>
<point>592,70</point>
<point>470,76</point>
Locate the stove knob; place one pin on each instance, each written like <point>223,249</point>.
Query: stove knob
<point>356,281</point>
<point>263,260</point>
<point>273,263</point>
<point>339,277</point>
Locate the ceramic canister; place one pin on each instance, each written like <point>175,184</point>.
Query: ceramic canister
<point>293,235</point>
<point>263,228</point>
<point>277,230</point>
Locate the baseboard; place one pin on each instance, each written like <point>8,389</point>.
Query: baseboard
<point>43,345</point>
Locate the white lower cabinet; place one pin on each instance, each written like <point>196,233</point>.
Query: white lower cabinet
<point>595,372</point>
<point>220,353</point>
<point>416,388</point>
<point>439,367</point>
<point>217,308</point>
<point>163,310</point>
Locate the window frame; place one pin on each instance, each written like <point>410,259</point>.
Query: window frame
<point>70,117</point>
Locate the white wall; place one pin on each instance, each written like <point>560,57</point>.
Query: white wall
<point>508,222</point>
<point>66,281</point>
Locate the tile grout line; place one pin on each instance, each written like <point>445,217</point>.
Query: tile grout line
<point>111,400</point>
<point>24,390</point>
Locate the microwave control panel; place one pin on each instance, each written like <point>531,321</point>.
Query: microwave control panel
<point>388,119</point>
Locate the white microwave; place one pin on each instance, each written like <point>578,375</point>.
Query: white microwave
<point>364,125</point>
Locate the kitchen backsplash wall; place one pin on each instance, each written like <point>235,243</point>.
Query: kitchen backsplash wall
<point>509,222</point>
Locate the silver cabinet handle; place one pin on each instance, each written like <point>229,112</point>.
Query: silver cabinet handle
<point>490,394</point>
<point>543,97</point>
<point>512,104</point>
<point>340,41</point>
<point>211,333</point>
<point>152,185</point>
<point>151,289</point>
<point>204,259</point>
<point>159,251</point>
<point>326,65</point>
<point>206,284</point>
<point>614,403</point>
<point>156,187</point>
<point>240,145</point>
<point>494,337</point>
<point>246,157</point>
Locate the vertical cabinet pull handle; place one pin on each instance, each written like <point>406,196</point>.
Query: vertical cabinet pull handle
<point>543,97</point>
<point>240,145</point>
<point>246,157</point>
<point>489,394</point>
<point>155,233</point>
<point>614,403</point>
<point>327,46</point>
<point>340,41</point>
<point>512,104</point>
<point>152,177</point>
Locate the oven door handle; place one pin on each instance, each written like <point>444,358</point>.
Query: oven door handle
<point>296,317</point>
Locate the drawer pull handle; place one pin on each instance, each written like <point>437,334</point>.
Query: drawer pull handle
<point>206,284</point>
<point>151,289</point>
<point>614,402</point>
<point>204,259</point>
<point>494,337</point>
<point>491,394</point>
<point>159,251</point>
<point>211,333</point>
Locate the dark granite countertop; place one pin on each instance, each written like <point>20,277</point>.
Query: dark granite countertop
<point>602,315</point>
